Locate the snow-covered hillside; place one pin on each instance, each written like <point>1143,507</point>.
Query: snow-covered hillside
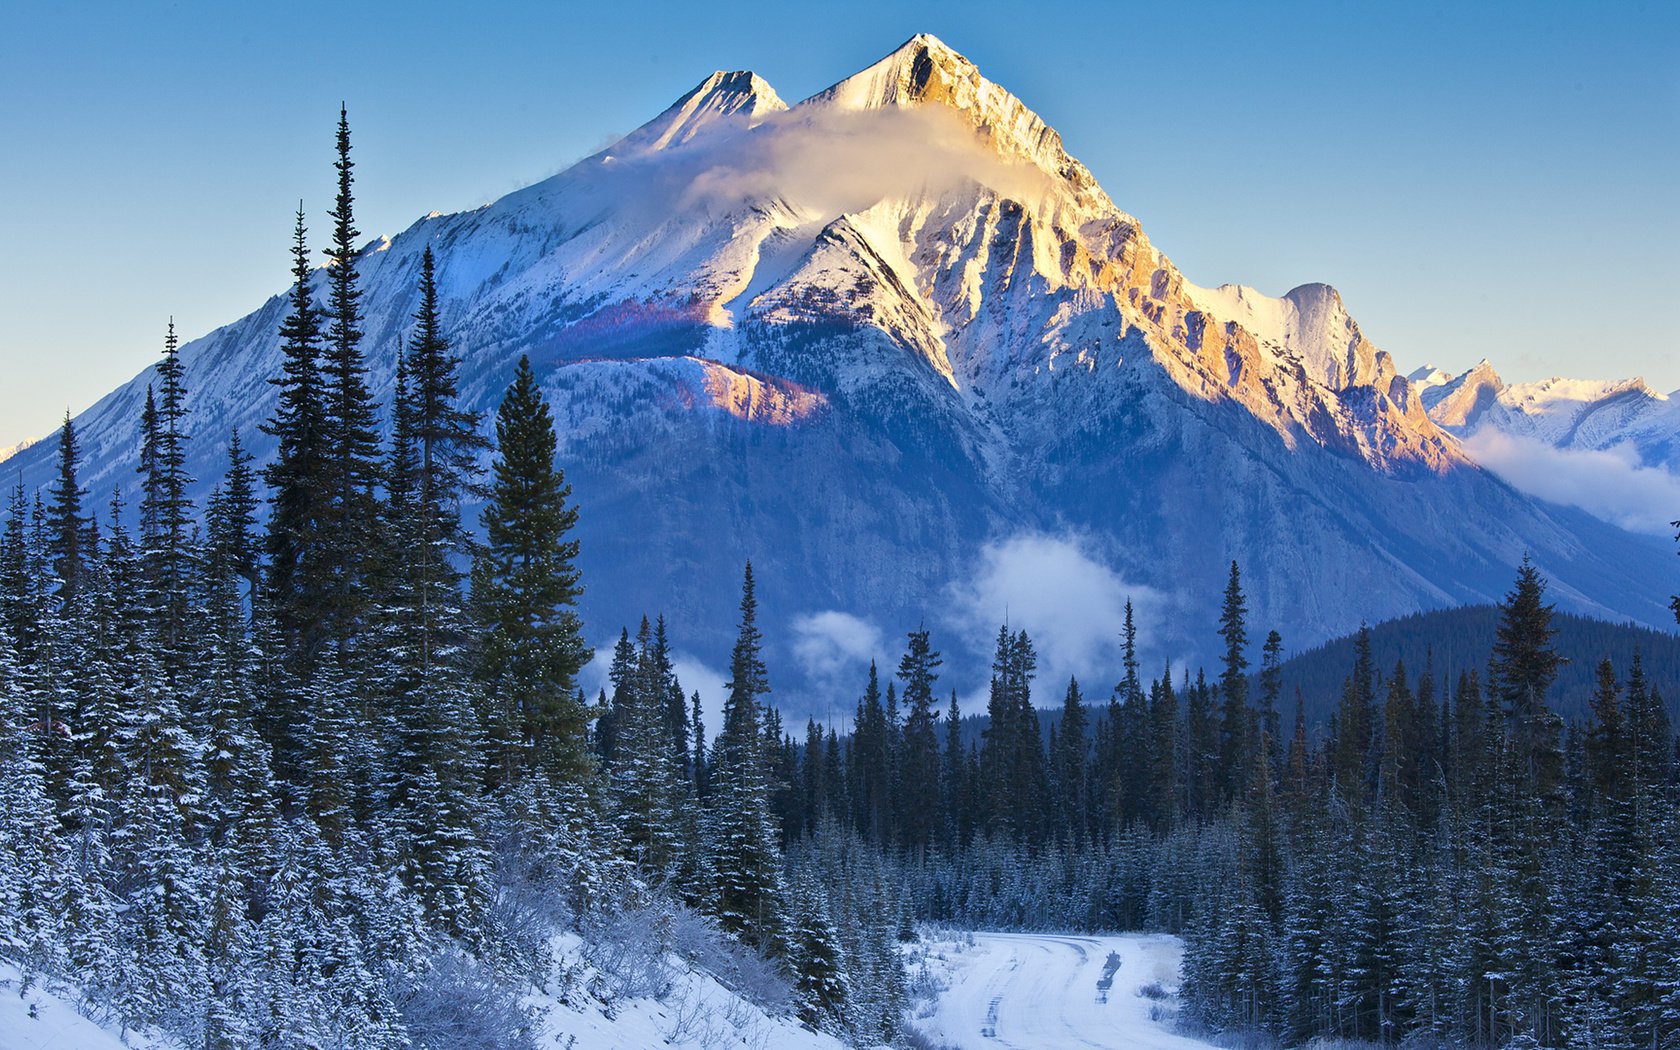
<point>867,338</point>
<point>683,1006</point>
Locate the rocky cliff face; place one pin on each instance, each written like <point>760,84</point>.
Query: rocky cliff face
<point>861,338</point>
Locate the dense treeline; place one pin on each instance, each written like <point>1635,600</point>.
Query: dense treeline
<point>1450,864</point>
<point>331,782</point>
<point>1459,639</point>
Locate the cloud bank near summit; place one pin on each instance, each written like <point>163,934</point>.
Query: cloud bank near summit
<point>832,161</point>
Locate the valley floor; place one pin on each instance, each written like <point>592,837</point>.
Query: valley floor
<point>1031,991</point>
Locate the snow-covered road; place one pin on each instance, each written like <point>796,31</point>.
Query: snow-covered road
<point>1024,991</point>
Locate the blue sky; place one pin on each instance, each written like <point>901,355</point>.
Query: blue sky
<point>1479,180</point>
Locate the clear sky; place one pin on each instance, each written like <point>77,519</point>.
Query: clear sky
<point>1492,180</point>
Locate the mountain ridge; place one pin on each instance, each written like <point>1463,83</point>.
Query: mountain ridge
<point>862,343</point>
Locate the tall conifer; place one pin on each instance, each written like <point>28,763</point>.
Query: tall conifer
<point>525,590</point>
<point>744,860</point>
<point>348,424</point>
<point>297,478</point>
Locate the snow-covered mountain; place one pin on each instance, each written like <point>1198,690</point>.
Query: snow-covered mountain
<point>866,339</point>
<point>1585,414</point>
<point>1611,448</point>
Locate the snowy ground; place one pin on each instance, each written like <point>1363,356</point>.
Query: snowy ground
<point>1026,991</point>
<point>37,1018</point>
<point>696,1011</point>
<point>991,991</point>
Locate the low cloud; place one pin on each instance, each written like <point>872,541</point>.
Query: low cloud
<point>1612,483</point>
<point>1071,604</point>
<point>832,161</point>
<point>833,647</point>
<point>710,683</point>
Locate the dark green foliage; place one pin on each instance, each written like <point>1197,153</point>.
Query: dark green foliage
<point>1461,640</point>
<point>1012,764</point>
<point>230,520</point>
<point>918,794</point>
<point>70,538</point>
<point>1235,728</point>
<point>641,766</point>
<point>1070,770</point>
<point>869,764</point>
<point>168,557</point>
<point>743,857</point>
<point>349,535</point>
<point>298,578</point>
<point>525,592</point>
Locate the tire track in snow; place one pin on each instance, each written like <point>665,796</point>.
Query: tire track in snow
<point>1040,992</point>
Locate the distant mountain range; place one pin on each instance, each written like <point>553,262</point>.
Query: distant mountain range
<point>1585,414</point>
<point>900,349</point>
<point>1611,448</point>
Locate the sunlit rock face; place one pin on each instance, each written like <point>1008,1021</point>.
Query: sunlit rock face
<point>860,338</point>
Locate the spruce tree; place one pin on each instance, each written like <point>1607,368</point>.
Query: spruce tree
<point>1271,692</point>
<point>1350,748</point>
<point>432,768</point>
<point>68,526</point>
<point>525,590</point>
<point>868,762</point>
<point>919,778</point>
<point>18,608</point>
<point>643,779</point>
<point>673,704</point>
<point>298,573</point>
<point>817,959</point>
<point>743,859</point>
<point>954,781</point>
<point>230,520</point>
<point>702,763</point>
<point>1012,764</point>
<point>350,438</point>
<point>1234,722</point>
<point>1167,802</point>
<point>1070,757</point>
<point>166,516</point>
<point>1522,670</point>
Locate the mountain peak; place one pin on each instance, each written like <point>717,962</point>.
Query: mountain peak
<point>1461,402</point>
<point>741,96</point>
<point>1482,371</point>
<point>924,70</point>
<point>1428,377</point>
<point>1313,295</point>
<point>930,46</point>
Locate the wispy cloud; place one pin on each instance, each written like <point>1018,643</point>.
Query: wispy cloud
<point>1070,604</point>
<point>834,647</point>
<point>833,161</point>
<point>1612,484</point>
